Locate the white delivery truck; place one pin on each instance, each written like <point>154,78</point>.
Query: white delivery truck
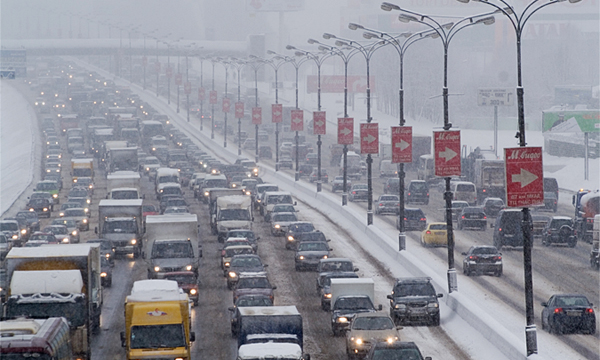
<point>232,212</point>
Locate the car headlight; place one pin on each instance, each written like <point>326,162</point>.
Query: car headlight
<point>255,170</point>
<point>88,201</point>
<point>133,241</point>
<point>74,233</point>
<point>277,226</point>
<point>433,305</point>
<point>86,210</point>
<point>74,180</point>
<point>107,256</point>
<point>188,267</point>
<point>391,339</point>
<point>290,238</point>
<point>301,257</point>
<point>103,274</point>
<point>15,237</point>
<point>233,185</point>
<point>65,240</point>
<point>327,296</point>
<point>324,256</point>
<point>24,231</point>
<point>44,209</point>
<point>226,264</point>
<point>206,193</point>
<point>32,209</point>
<point>342,319</point>
<point>147,169</point>
<point>400,307</point>
<point>85,221</point>
<point>91,186</point>
<point>193,291</point>
<point>156,268</point>
<point>358,341</point>
<point>232,274</point>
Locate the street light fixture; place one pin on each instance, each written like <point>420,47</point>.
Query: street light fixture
<point>238,64</point>
<point>276,62</point>
<point>518,22</point>
<point>226,65</point>
<point>401,47</point>
<point>255,64</point>
<point>367,51</point>
<point>446,34</point>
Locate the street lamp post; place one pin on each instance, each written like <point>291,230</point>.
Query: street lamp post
<point>178,77</point>
<point>367,51</point>
<point>276,63</point>
<point>255,64</point>
<point>446,34</point>
<point>518,22</point>
<point>345,56</point>
<point>212,106</point>
<point>318,59</point>
<point>238,64</point>
<point>168,76</point>
<point>202,98</point>
<point>401,48</point>
<point>225,64</point>
<point>157,66</point>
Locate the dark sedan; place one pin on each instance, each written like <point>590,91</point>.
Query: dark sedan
<point>482,259</point>
<point>295,229</point>
<point>359,192</point>
<point>244,301</point>
<point>255,285</point>
<point>243,263</point>
<point>568,313</point>
<point>414,219</point>
<point>472,218</point>
<point>387,204</point>
<point>309,253</point>
<point>43,207</point>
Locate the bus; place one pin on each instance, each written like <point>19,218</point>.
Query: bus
<point>425,170</point>
<point>45,339</point>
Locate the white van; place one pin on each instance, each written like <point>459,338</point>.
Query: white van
<point>465,191</point>
<point>387,168</point>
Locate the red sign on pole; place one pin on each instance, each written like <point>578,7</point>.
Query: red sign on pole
<point>201,94</point>
<point>169,72</point>
<point>256,115</point>
<point>226,105</point>
<point>524,176</point>
<point>401,144</point>
<point>369,138</point>
<point>345,131</point>
<point>213,97</point>
<point>276,113</point>
<point>239,110</point>
<point>297,120</point>
<point>157,66</point>
<point>446,147</point>
<point>178,79</point>
<point>187,87</point>
<point>319,122</point>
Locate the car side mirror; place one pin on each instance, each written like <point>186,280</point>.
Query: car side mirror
<point>399,327</point>
<point>307,357</point>
<point>274,287</point>
<point>463,253</point>
<point>380,307</point>
<point>96,230</point>
<point>544,304</point>
<point>330,249</point>
<point>355,269</point>
<point>265,265</point>
<point>123,342</point>
<point>192,336</point>
<point>232,309</point>
<point>492,225</point>
<point>390,297</point>
<point>295,203</point>
<point>440,295</point>
<point>328,240</point>
<point>427,357</point>
<point>257,238</point>
<point>143,254</point>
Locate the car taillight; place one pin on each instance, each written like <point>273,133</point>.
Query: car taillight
<point>463,216</point>
<point>589,310</point>
<point>485,217</point>
<point>408,194</point>
<point>380,204</point>
<point>423,219</point>
<point>427,232</point>
<point>558,311</point>
<point>354,192</point>
<point>498,258</point>
<point>499,229</point>
<point>484,190</point>
<point>473,257</point>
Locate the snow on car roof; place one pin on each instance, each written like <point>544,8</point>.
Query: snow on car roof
<point>33,282</point>
<point>156,219</point>
<point>270,350</point>
<point>52,251</point>
<point>268,310</point>
<point>129,202</point>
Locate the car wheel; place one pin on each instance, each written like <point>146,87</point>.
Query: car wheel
<point>572,243</point>
<point>436,320</point>
<point>109,283</point>
<point>498,273</point>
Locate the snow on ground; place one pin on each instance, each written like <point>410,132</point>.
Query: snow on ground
<point>18,143</point>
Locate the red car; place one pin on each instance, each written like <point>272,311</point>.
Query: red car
<point>253,284</point>
<point>148,210</point>
<point>187,281</point>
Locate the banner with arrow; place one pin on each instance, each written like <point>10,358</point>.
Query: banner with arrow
<point>369,138</point>
<point>524,176</point>
<point>401,144</point>
<point>345,131</point>
<point>319,122</point>
<point>446,148</point>
<point>276,113</point>
<point>297,120</point>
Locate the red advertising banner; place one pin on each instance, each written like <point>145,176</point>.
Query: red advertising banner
<point>256,115</point>
<point>239,110</point>
<point>335,84</point>
<point>226,105</point>
<point>213,97</point>
<point>201,94</point>
<point>178,79</point>
<point>524,170</point>
<point>446,148</point>
<point>369,138</point>
<point>187,87</point>
<point>401,144</point>
<point>276,113</point>
<point>345,131</point>
<point>319,123</point>
<point>297,120</point>
<point>169,71</point>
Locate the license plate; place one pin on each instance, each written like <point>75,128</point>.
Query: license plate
<point>439,233</point>
<point>574,313</point>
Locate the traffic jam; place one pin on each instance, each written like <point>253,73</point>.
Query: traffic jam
<point>142,240</point>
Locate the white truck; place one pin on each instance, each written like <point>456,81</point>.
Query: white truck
<point>172,244</point>
<point>57,280</point>
<point>123,185</point>
<point>120,221</point>
<point>232,212</point>
<point>164,176</point>
<point>350,296</point>
<point>122,159</point>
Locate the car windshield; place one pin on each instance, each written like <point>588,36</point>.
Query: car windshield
<point>170,250</point>
<point>157,336</point>
<point>57,230</point>
<point>327,279</point>
<point>465,187</point>
<point>78,193</point>
<point>396,354</point>
<point>120,226</point>
<point>353,303</point>
<point>234,214</point>
<point>38,202</point>
<point>373,323</point>
<point>9,226</point>
<point>388,198</point>
<point>418,186</point>
<point>313,246</point>
<point>253,301</point>
<point>359,187</point>
<point>182,279</point>
<point>337,266</point>
<point>47,186</point>
<point>3,239</point>
<point>241,234</point>
<point>283,208</point>
<point>148,208</point>
<point>75,212</point>
<point>571,301</point>
<point>558,223</point>
<point>230,252</point>
<point>280,199</point>
<point>484,251</point>
<point>246,262</point>
<point>305,227</point>
<point>41,237</point>
<point>424,289</point>
<point>437,227</point>
<point>253,283</point>
<point>284,217</point>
